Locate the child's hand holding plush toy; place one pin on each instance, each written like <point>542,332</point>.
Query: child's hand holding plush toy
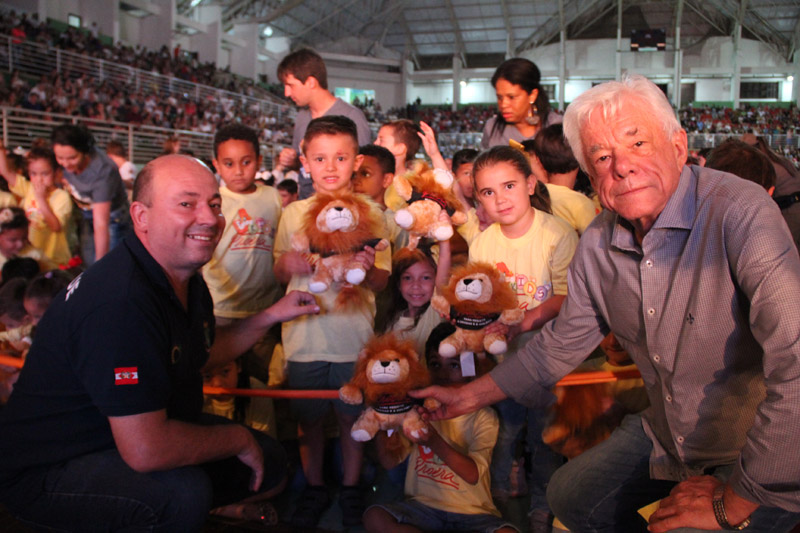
<point>337,227</point>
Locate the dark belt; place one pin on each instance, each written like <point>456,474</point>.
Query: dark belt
<point>787,200</point>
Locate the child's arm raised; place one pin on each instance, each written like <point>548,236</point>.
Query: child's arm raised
<point>443,266</point>
<point>431,148</point>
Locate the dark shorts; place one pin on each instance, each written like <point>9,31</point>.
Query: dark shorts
<point>320,375</point>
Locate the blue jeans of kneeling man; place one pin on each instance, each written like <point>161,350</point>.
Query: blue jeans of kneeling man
<point>602,489</point>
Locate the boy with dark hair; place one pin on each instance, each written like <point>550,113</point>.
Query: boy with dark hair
<point>375,173</point>
<point>372,178</point>
<point>239,274</point>
<point>321,352</point>
<point>287,189</point>
<point>402,138</point>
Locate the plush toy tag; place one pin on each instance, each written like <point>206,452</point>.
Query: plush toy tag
<point>467,364</point>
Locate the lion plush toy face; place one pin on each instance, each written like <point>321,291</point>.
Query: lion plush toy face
<point>387,367</point>
<point>476,287</point>
<point>337,216</point>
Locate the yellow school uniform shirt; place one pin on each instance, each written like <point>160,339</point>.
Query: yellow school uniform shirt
<point>239,274</point>
<point>535,264</point>
<point>53,244</point>
<point>575,208</point>
<point>333,335</point>
<point>405,329</point>
<point>7,200</point>
<point>431,482</point>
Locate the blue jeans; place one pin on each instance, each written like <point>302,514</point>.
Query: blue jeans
<point>543,461</point>
<point>602,489</point>
<point>119,225</point>
<point>100,492</point>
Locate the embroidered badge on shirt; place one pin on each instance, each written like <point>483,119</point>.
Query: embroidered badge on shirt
<point>128,375</point>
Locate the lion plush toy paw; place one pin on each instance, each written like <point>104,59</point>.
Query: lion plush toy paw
<point>386,370</point>
<point>337,227</point>
<point>427,193</point>
<point>475,297</point>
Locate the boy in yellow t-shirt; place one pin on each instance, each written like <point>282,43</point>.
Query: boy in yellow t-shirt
<point>447,479</point>
<point>239,274</point>
<point>321,351</point>
<point>47,208</point>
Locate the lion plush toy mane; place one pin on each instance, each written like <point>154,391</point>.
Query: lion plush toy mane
<point>386,370</point>
<point>476,296</point>
<point>337,227</point>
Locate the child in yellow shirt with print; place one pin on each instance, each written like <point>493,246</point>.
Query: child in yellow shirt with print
<point>321,351</point>
<point>47,208</point>
<point>239,275</point>
<point>533,249</point>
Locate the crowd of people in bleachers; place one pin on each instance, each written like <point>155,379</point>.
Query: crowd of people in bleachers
<point>175,63</point>
<point>106,100</point>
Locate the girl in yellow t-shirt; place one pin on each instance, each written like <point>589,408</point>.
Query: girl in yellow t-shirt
<point>48,208</point>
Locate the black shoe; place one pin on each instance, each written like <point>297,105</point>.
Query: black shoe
<point>310,506</point>
<point>352,503</point>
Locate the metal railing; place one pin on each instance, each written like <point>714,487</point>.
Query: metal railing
<point>22,126</point>
<point>35,59</point>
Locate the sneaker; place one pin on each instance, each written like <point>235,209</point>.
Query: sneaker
<point>310,506</point>
<point>351,500</point>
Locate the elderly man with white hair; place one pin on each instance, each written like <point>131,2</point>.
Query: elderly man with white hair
<point>695,272</point>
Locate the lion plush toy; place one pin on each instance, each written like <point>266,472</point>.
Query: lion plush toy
<point>337,227</point>
<point>386,370</point>
<point>475,297</point>
<point>427,193</point>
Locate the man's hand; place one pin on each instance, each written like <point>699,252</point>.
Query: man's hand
<point>291,306</point>
<point>689,505</point>
<point>252,456</point>
<point>456,401</point>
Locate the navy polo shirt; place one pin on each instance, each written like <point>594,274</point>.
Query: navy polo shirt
<point>116,342</point>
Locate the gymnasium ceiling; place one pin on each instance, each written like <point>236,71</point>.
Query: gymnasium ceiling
<point>484,32</point>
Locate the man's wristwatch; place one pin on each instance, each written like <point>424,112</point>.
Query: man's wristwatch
<point>721,516</point>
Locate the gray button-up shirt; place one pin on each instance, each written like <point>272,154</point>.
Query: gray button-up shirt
<point>708,309</point>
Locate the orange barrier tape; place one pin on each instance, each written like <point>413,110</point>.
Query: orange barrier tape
<point>275,393</point>
<point>578,378</point>
<point>12,361</point>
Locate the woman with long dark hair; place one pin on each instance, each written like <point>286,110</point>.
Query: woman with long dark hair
<point>96,187</point>
<point>523,108</point>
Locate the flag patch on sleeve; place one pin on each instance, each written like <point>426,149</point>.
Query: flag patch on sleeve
<point>128,375</point>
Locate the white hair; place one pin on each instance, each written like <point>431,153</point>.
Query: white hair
<point>609,97</point>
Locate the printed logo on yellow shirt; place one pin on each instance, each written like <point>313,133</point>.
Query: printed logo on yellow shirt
<point>252,234</point>
<point>429,466</point>
<point>524,287</point>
